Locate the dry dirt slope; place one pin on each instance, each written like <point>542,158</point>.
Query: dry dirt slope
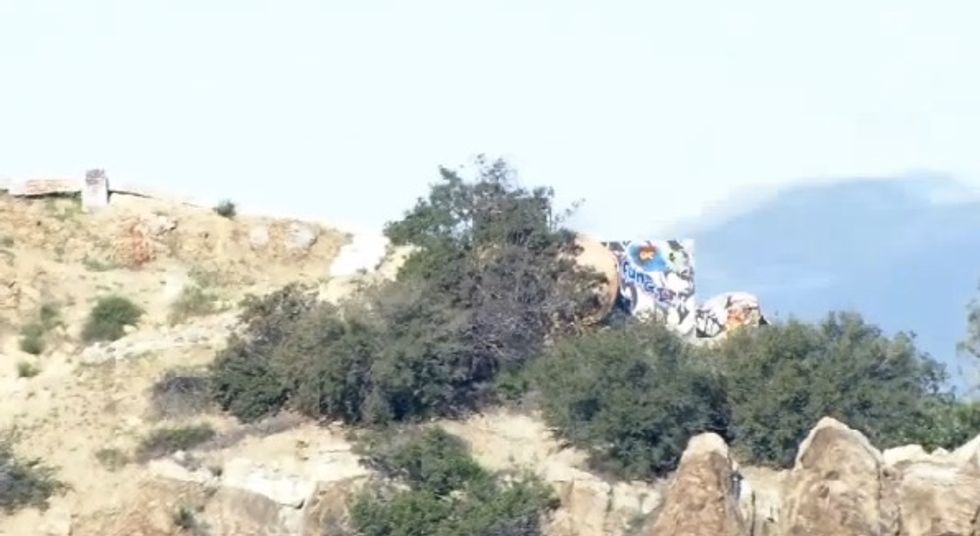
<point>147,250</point>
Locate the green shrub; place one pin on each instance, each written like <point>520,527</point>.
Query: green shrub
<point>24,483</point>
<point>7,241</point>
<point>164,441</point>
<point>947,423</point>
<point>784,378</point>
<point>108,318</point>
<point>98,265</point>
<point>193,301</point>
<point>32,338</point>
<point>631,397</point>
<point>26,369</point>
<point>247,377</point>
<point>185,519</point>
<point>449,494</point>
<point>112,459</point>
<point>431,460</point>
<point>32,335</point>
<point>226,209</point>
<point>180,393</point>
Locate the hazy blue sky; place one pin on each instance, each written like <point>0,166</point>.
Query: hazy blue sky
<point>652,111</point>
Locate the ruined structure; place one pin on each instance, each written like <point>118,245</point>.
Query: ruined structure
<point>94,189</point>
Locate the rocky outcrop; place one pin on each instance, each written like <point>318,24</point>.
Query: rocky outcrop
<point>761,499</point>
<point>937,499</point>
<point>590,505</point>
<point>836,486</point>
<point>703,498</point>
<point>840,485</point>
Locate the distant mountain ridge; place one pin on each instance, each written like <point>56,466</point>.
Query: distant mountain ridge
<point>905,253</point>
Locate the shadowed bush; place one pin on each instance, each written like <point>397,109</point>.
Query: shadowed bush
<point>164,441</point>
<point>226,209</point>
<point>180,393</point>
<point>784,378</point>
<point>631,397</point>
<point>24,483</point>
<point>490,281</point>
<point>108,318</point>
<point>449,494</point>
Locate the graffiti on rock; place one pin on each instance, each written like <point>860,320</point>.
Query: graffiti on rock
<point>728,311</point>
<point>656,279</point>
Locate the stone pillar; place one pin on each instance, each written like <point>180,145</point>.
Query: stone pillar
<point>95,191</point>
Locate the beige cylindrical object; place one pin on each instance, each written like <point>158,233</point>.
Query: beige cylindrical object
<point>600,258</point>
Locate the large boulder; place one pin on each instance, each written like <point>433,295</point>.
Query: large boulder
<point>598,257</point>
<point>938,499</point>
<point>836,487</point>
<point>703,498</point>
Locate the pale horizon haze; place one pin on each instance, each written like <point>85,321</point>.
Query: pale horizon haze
<point>652,112</point>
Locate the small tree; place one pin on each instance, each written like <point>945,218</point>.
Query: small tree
<point>226,209</point>
<point>971,345</point>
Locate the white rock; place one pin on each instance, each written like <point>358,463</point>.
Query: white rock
<point>161,224</point>
<point>301,237</point>
<point>907,453</point>
<point>968,454</point>
<point>258,236</point>
<point>364,252</point>
<point>169,469</point>
<point>283,488</point>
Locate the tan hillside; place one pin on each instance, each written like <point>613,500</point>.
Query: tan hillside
<point>88,406</point>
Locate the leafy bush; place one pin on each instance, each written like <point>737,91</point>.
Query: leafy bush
<point>26,369</point>
<point>971,345</point>
<point>32,335</point>
<point>193,301</point>
<point>449,494</point>
<point>248,378</point>
<point>108,318</point>
<point>631,397</point>
<point>164,441</point>
<point>226,209</point>
<point>487,286</point>
<point>432,460</point>
<point>180,393</point>
<point>32,338</point>
<point>112,459</point>
<point>783,379</point>
<point>24,482</point>
<point>947,423</point>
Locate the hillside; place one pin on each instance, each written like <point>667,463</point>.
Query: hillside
<point>85,407</point>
